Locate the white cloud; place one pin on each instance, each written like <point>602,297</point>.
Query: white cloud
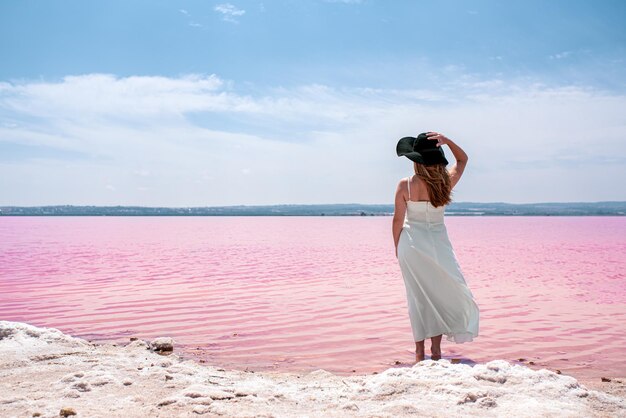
<point>561,55</point>
<point>229,12</point>
<point>194,140</point>
<point>142,173</point>
<point>192,23</point>
<point>99,95</point>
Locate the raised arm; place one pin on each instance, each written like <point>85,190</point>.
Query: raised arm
<point>399,213</point>
<point>461,157</point>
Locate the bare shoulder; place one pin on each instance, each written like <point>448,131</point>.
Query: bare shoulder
<point>402,183</point>
<point>401,188</point>
<point>400,201</point>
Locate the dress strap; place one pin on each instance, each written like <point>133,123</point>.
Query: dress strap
<point>409,186</point>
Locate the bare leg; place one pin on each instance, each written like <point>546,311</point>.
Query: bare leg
<point>419,350</point>
<point>435,347</point>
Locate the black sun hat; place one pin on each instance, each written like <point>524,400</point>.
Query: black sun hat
<point>421,150</point>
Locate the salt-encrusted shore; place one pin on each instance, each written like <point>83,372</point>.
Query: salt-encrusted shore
<point>44,372</point>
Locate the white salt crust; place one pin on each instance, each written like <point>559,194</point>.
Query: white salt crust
<point>43,370</point>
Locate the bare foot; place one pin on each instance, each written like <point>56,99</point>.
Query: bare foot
<point>435,347</point>
<point>419,354</point>
<point>435,353</point>
<point>419,351</point>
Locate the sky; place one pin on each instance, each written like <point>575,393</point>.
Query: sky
<point>211,103</point>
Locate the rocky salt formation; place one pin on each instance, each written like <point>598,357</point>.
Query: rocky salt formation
<point>162,344</point>
<point>46,373</point>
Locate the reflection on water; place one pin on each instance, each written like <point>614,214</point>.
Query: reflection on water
<point>301,293</point>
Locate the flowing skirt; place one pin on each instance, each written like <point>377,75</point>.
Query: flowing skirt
<point>439,301</point>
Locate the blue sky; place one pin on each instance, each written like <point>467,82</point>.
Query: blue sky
<point>246,102</point>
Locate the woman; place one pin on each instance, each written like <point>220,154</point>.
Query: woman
<point>438,298</point>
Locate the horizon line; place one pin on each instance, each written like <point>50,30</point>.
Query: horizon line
<point>298,204</point>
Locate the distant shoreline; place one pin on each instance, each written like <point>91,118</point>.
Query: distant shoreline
<point>608,208</point>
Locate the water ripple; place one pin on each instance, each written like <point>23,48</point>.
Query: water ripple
<point>299,293</point>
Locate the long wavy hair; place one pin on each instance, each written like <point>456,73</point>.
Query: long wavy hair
<point>438,182</point>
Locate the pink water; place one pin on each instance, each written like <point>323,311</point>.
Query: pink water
<point>300,293</point>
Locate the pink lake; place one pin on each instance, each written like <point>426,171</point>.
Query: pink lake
<point>301,293</point>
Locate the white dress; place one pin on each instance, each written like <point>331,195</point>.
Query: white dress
<point>438,298</point>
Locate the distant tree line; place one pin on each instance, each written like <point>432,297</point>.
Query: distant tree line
<point>614,208</point>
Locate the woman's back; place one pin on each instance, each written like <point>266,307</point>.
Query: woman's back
<point>417,189</point>
<point>421,210</point>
